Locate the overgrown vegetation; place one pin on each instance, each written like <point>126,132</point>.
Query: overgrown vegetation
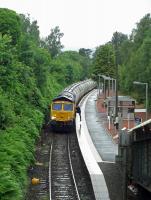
<point>32,72</point>
<point>134,59</point>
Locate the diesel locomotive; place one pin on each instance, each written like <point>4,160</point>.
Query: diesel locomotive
<point>63,107</point>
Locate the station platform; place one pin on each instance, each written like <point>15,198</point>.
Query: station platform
<point>99,150</point>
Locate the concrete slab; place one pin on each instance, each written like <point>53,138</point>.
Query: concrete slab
<point>98,151</point>
<point>91,157</point>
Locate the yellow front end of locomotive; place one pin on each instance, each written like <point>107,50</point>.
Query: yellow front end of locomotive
<point>62,113</point>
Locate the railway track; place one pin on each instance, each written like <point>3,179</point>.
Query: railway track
<point>63,185</point>
<point>56,182</point>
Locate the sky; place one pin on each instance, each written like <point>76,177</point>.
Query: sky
<point>85,23</point>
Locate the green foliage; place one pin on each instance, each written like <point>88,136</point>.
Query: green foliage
<point>53,42</point>
<point>69,74</point>
<point>69,62</point>
<point>5,52</point>
<point>41,68</point>
<point>86,62</point>
<point>21,104</point>
<point>29,79</point>
<point>10,24</point>
<point>53,87</point>
<point>104,61</point>
<point>9,188</point>
<point>118,38</point>
<point>118,41</point>
<point>29,28</point>
<point>85,52</point>
<point>15,157</point>
<point>7,115</point>
<point>133,57</point>
<point>136,63</point>
<point>142,31</point>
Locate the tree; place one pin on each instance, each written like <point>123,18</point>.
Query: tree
<point>118,40</point>
<point>103,61</point>
<point>30,29</point>
<point>65,63</point>
<point>85,52</point>
<point>53,42</point>
<point>10,24</point>
<point>137,59</point>
<point>86,61</point>
<point>41,68</point>
<point>142,31</point>
<point>5,50</point>
<point>119,37</point>
<point>69,74</point>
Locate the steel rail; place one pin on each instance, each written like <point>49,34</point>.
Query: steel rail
<point>50,197</point>
<point>72,177</point>
<point>76,188</point>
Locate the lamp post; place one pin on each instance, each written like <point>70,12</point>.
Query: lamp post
<point>105,78</point>
<point>113,86</point>
<point>104,88</point>
<point>146,84</point>
<point>109,86</point>
<point>116,48</point>
<point>99,85</point>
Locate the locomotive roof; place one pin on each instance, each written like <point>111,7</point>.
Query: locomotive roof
<point>66,95</point>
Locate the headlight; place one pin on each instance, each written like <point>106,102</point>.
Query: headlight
<point>53,117</point>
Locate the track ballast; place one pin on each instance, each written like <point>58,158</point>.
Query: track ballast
<point>62,180</point>
<point>82,178</point>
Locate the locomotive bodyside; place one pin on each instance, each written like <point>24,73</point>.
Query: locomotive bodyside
<point>63,107</point>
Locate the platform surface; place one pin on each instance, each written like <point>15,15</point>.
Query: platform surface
<point>98,150</point>
<point>100,137</point>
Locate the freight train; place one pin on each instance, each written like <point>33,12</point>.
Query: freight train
<point>63,107</point>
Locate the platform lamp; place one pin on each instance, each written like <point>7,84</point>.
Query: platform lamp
<point>146,84</point>
<point>109,79</point>
<point>105,78</point>
<point>113,86</point>
<point>99,75</point>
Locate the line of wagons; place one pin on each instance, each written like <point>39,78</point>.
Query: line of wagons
<point>63,107</point>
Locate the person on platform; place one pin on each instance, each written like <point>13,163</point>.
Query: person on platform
<point>78,110</point>
<point>116,123</point>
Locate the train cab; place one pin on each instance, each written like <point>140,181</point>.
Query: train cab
<point>63,107</point>
<point>63,111</point>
